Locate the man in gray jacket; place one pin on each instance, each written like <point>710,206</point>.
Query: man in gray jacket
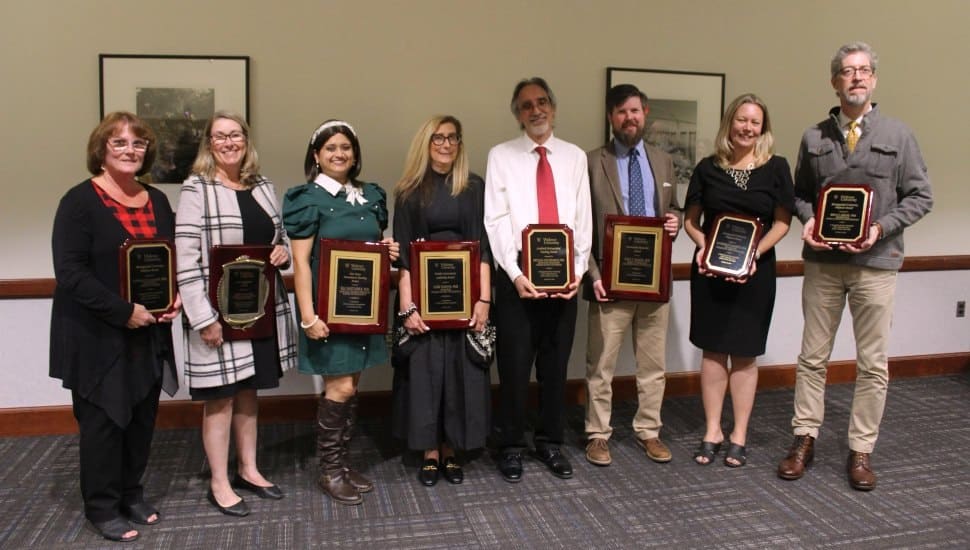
<point>855,144</point>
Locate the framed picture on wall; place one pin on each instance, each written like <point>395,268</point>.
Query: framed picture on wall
<point>685,112</point>
<point>176,95</point>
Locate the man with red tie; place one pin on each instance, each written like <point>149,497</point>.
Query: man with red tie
<point>535,178</point>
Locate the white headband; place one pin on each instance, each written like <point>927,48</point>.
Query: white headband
<point>330,124</point>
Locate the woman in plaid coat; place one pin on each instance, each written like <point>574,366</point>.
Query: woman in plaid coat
<point>226,201</point>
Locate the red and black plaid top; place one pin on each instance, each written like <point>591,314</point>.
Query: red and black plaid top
<point>139,222</point>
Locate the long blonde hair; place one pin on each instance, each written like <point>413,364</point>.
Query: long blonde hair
<point>205,163</point>
<point>419,157</point>
<point>763,147</point>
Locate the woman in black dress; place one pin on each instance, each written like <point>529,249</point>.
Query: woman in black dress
<point>441,396</point>
<point>114,355</point>
<point>730,316</point>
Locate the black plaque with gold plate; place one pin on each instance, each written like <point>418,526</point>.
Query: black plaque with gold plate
<point>352,286</point>
<point>242,286</point>
<point>731,244</point>
<point>547,256</point>
<point>636,258</point>
<point>147,274</point>
<point>445,279</point>
<point>843,214</point>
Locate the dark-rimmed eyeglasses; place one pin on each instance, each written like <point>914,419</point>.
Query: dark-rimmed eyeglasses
<point>235,137</point>
<point>440,139</point>
<point>120,145</point>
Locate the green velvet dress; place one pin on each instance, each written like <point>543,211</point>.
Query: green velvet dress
<point>311,211</point>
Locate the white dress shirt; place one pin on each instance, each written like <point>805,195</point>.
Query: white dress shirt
<point>511,202</point>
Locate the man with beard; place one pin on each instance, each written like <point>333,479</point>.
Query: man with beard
<point>627,177</point>
<point>855,144</point>
<point>534,178</point>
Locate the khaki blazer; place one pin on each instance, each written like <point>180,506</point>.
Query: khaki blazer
<point>606,198</point>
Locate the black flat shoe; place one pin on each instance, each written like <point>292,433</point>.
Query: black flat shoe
<point>557,463</point>
<point>115,529</point>
<point>510,466</point>
<point>272,492</point>
<point>239,509</point>
<point>428,474</point>
<point>453,473</point>
<point>139,512</point>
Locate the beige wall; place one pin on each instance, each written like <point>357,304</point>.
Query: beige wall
<point>385,66</point>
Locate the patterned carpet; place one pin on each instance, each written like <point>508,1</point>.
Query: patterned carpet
<point>922,500</point>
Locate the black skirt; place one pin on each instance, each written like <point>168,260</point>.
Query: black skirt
<point>440,396</point>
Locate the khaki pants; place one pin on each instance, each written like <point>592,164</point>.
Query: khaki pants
<point>608,323</point>
<point>870,294</point>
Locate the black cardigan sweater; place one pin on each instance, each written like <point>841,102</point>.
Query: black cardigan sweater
<point>91,349</point>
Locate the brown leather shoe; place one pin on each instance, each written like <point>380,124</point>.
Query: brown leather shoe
<point>656,450</point>
<point>800,455</point>
<point>598,452</point>
<point>861,476</point>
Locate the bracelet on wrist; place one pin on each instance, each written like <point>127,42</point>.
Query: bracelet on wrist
<point>305,326</point>
<point>411,310</point>
<point>489,302</point>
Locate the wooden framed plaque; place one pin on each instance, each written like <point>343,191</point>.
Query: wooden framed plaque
<point>636,258</point>
<point>445,279</point>
<point>242,286</point>
<point>547,256</point>
<point>843,214</point>
<point>147,274</point>
<point>353,285</point>
<point>731,244</point>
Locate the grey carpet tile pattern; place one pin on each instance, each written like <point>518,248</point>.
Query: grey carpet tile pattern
<point>922,499</point>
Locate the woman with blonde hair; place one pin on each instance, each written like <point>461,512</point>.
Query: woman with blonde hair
<point>730,317</point>
<point>441,393</point>
<point>227,202</point>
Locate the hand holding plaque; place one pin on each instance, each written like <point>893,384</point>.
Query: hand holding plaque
<point>731,245</point>
<point>353,286</point>
<point>636,258</point>
<point>843,214</point>
<point>445,281</point>
<point>547,257</point>
<point>147,274</point>
<point>242,285</point>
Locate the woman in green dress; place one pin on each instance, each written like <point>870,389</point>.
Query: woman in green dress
<point>334,204</point>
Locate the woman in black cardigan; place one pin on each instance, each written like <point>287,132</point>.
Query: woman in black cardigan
<point>441,396</point>
<point>113,355</point>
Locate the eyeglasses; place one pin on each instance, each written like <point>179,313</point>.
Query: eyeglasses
<point>120,145</point>
<point>235,137</point>
<point>864,71</point>
<point>440,139</point>
<point>540,103</point>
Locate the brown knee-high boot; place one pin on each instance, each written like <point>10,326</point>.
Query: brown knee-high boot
<point>331,422</point>
<point>361,483</point>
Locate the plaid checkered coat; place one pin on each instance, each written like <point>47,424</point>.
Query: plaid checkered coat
<point>207,215</point>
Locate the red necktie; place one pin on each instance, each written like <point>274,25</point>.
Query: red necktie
<point>546,189</point>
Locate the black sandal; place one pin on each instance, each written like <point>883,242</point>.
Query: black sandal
<point>707,450</point>
<point>115,529</point>
<point>139,512</point>
<point>738,453</point>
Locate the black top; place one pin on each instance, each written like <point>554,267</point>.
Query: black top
<point>91,349</point>
<point>770,185</point>
<point>431,213</point>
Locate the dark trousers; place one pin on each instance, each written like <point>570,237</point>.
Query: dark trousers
<point>113,458</point>
<point>531,331</point>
